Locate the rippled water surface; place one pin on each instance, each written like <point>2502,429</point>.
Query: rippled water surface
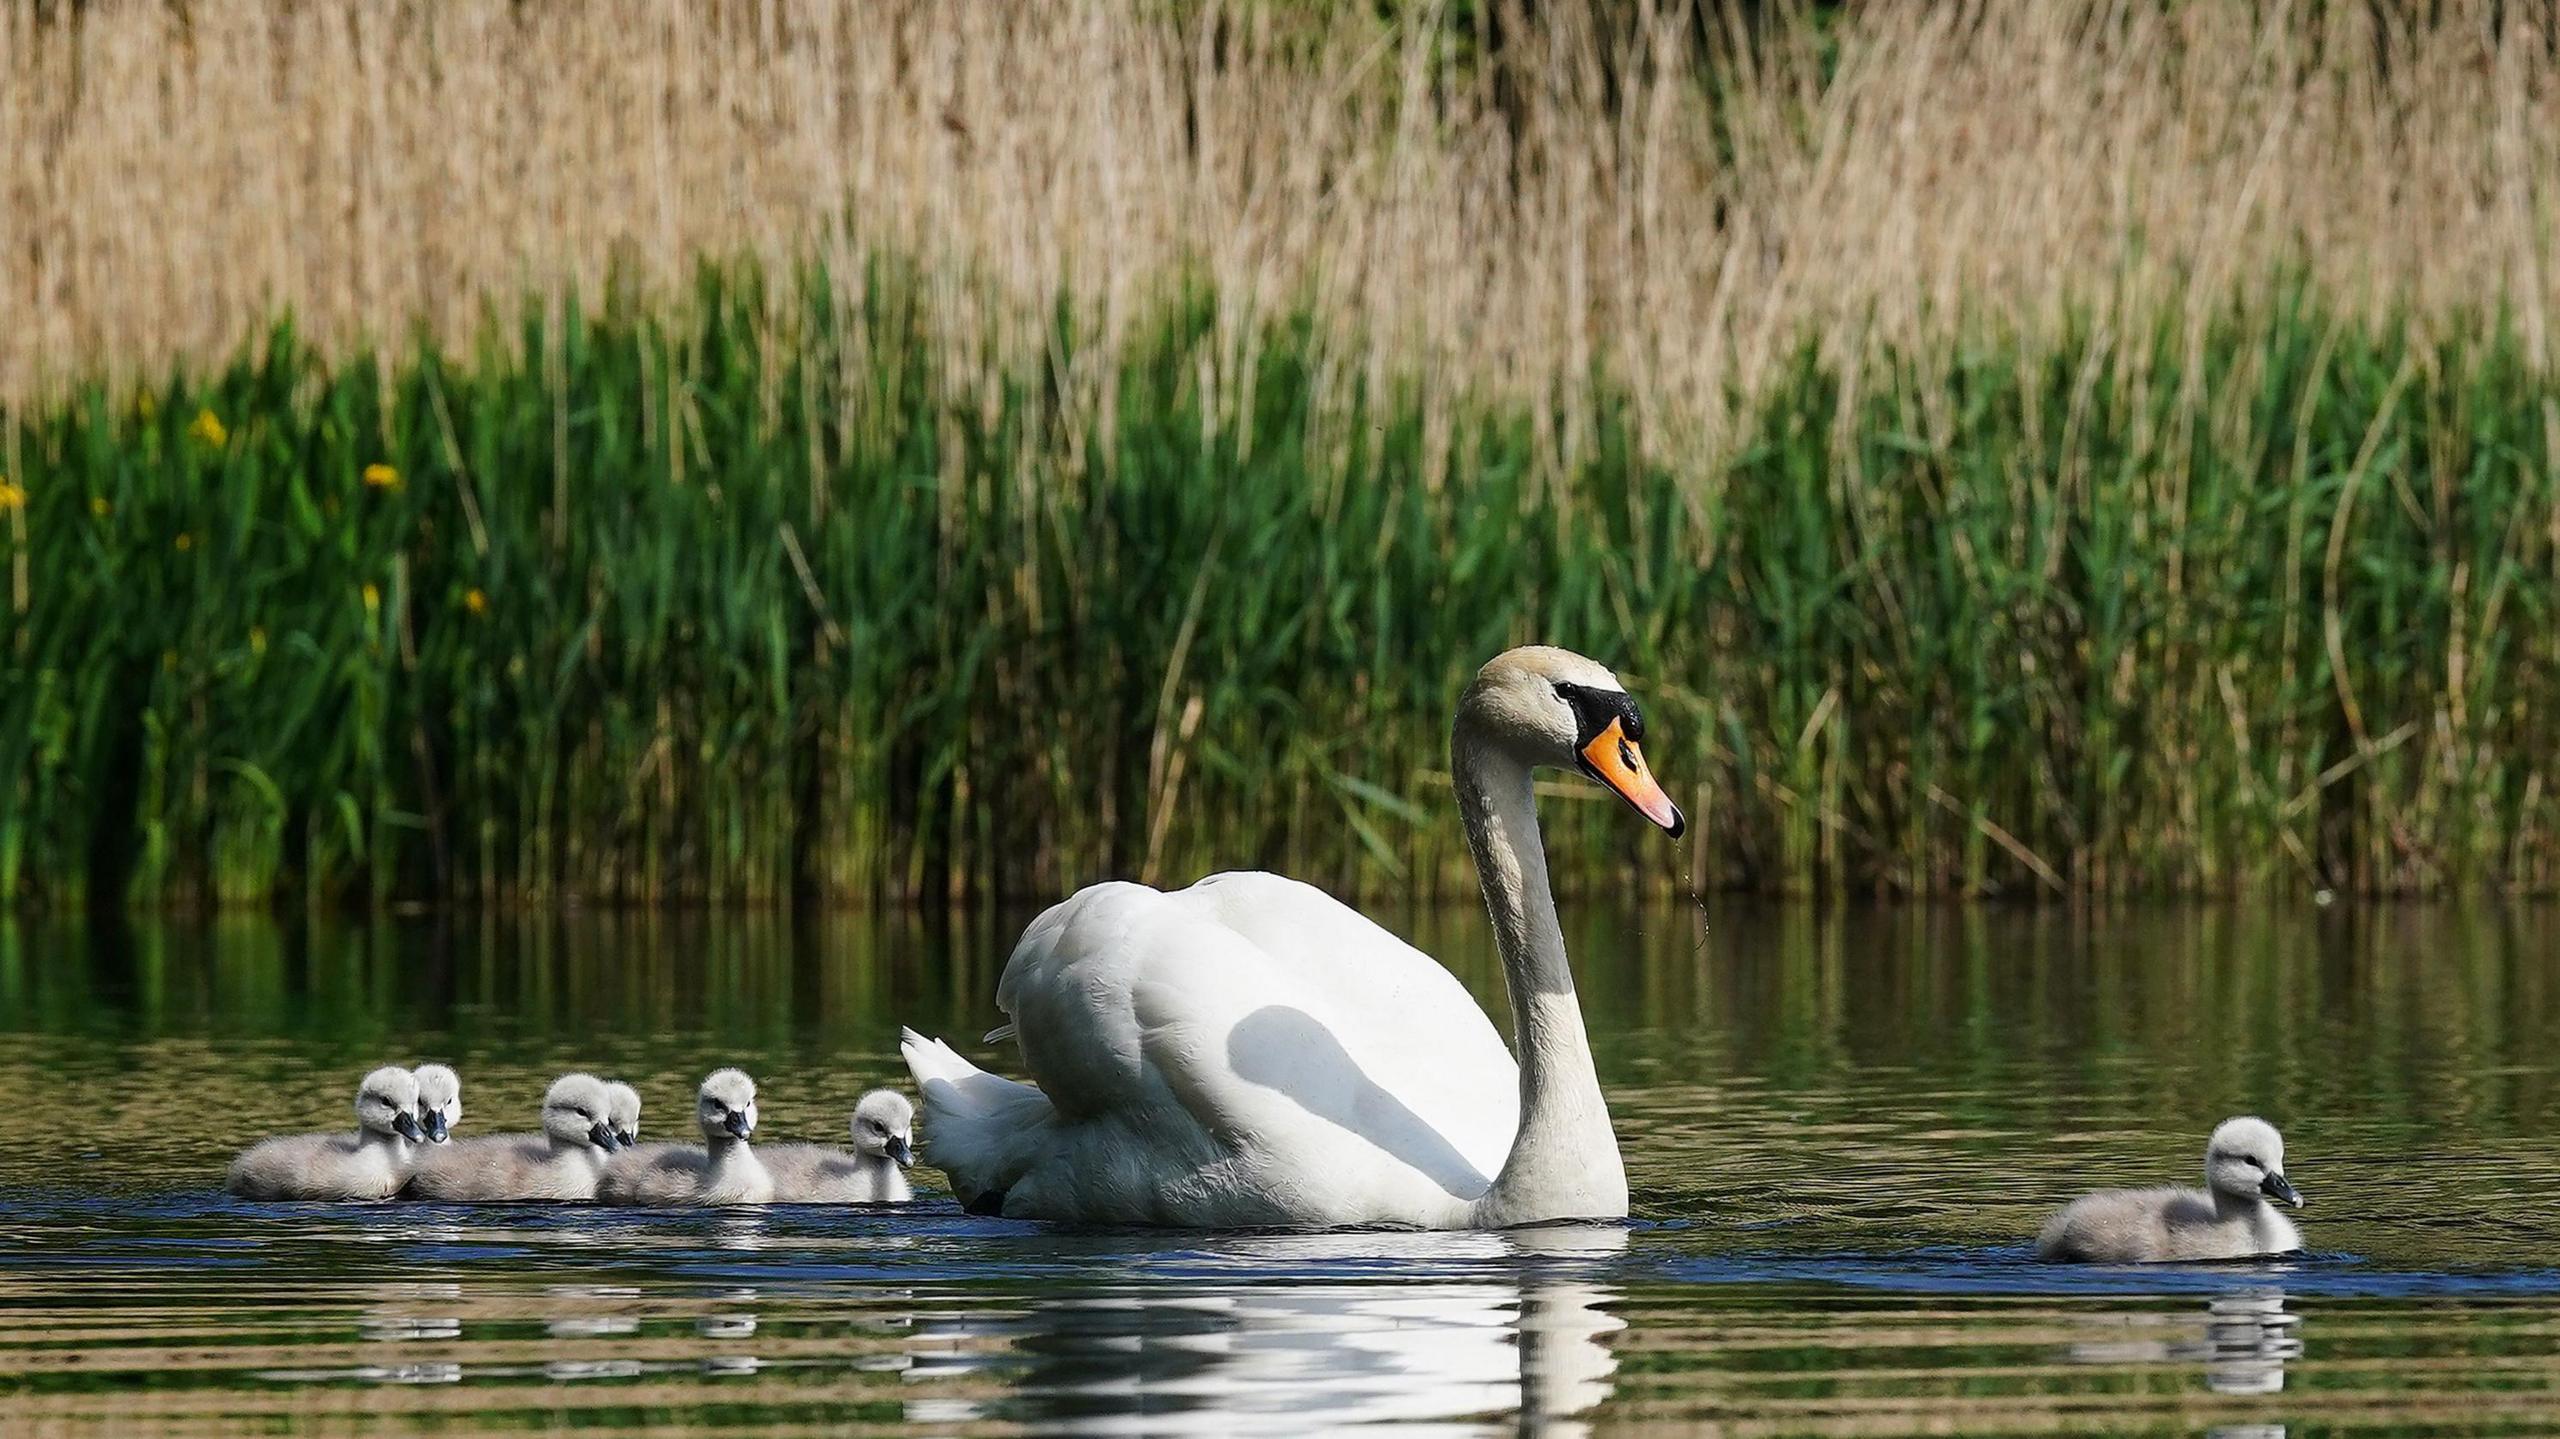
<point>1842,1128</point>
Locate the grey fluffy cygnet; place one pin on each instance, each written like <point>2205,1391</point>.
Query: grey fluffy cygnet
<point>622,1105</point>
<point>2230,1218</point>
<point>559,1164</point>
<point>439,1101</point>
<point>875,1172</point>
<point>371,1163</point>
<point>726,1171</point>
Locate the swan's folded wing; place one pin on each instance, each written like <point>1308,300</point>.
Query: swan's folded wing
<point>1417,1035</point>
<point>1257,1007</point>
<point>1067,989</point>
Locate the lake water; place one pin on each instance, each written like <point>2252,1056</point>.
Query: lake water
<point>1843,1127</point>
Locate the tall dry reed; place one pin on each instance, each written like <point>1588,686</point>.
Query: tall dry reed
<point>176,175</point>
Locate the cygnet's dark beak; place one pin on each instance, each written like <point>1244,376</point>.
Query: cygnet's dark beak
<point>736,1124</point>
<point>624,1137</point>
<point>602,1138</point>
<point>405,1125</point>
<point>898,1150</point>
<point>437,1129</point>
<point>2276,1186</point>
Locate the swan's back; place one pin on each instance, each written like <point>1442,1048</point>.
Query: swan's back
<point>2145,1226</point>
<point>1191,1047</point>
<point>1264,976</point>
<point>503,1167</point>
<point>323,1167</point>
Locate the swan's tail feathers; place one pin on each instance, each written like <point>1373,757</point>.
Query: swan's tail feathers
<point>980,1130</point>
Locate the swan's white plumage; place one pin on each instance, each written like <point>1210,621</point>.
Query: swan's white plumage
<point>1248,1051</point>
<point>1245,1051</point>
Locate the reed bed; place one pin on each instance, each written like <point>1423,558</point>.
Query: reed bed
<point>720,452</point>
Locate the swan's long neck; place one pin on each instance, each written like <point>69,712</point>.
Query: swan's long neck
<point>1564,1160</point>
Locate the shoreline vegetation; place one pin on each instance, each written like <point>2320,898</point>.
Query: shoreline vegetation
<point>513,453</point>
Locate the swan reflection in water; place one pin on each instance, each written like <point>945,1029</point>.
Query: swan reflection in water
<point>2247,1338</point>
<point>1248,1339</point>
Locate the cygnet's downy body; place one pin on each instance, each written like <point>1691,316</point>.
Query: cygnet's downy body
<point>622,1108</point>
<point>371,1163</point>
<point>2233,1217</point>
<point>726,1171</point>
<point>559,1164</point>
<point>439,1101</point>
<point>874,1171</point>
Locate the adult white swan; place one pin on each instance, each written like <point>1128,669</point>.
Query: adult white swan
<point>1250,1051</point>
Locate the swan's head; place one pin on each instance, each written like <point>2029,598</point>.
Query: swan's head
<point>884,1127</point>
<point>1552,707</point>
<point>387,1103</point>
<point>575,1110</point>
<point>2245,1159</point>
<point>439,1100</point>
<point>727,1105</point>
<point>622,1106</point>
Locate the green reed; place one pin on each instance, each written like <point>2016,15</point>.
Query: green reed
<point>746,597</point>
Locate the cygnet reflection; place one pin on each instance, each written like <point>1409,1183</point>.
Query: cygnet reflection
<point>2247,1337</point>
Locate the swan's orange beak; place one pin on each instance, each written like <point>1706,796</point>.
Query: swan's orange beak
<point>1614,760</point>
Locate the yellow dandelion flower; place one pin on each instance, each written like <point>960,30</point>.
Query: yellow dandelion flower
<point>381,477</point>
<point>186,542</point>
<point>257,640</point>
<point>11,497</point>
<point>372,599</point>
<point>476,602</point>
<point>98,506</point>
<point>208,428</point>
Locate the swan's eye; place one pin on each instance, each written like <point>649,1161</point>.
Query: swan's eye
<point>1593,710</point>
